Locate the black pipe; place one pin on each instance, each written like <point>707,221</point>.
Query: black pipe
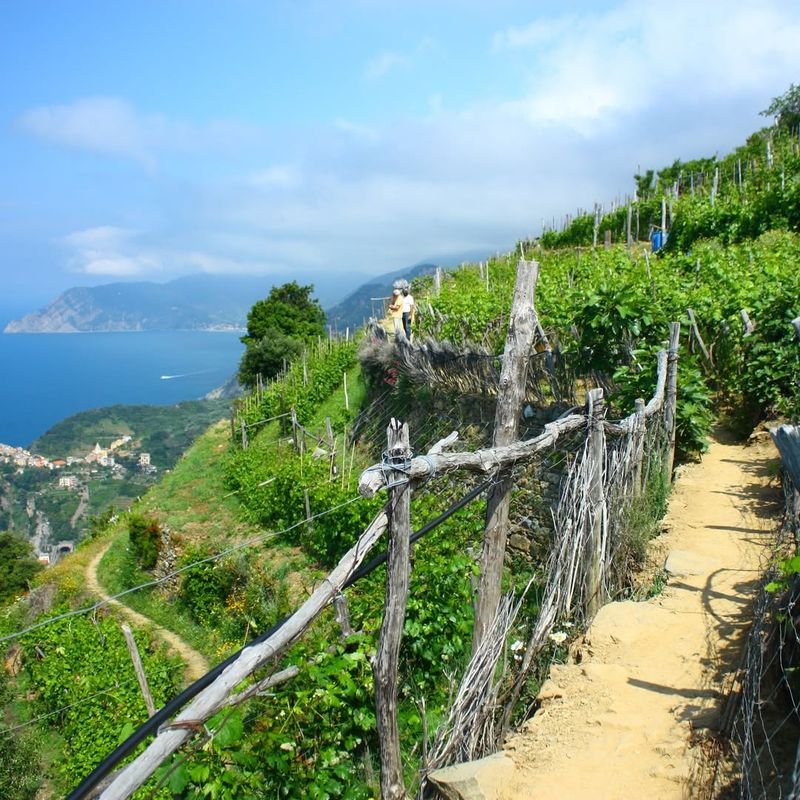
<point>91,781</point>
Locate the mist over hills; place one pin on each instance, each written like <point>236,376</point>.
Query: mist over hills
<point>195,302</point>
<point>212,302</point>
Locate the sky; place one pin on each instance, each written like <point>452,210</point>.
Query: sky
<point>148,139</point>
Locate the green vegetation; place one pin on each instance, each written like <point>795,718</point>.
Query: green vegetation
<point>163,431</point>
<point>277,330</point>
<point>18,565</point>
<point>144,536</point>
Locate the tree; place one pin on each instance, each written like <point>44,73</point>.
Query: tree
<point>288,309</point>
<point>277,328</point>
<point>17,565</point>
<point>265,356</point>
<point>785,109</point>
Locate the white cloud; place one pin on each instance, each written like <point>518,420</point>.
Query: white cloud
<point>113,127</point>
<point>379,65</point>
<point>636,56</point>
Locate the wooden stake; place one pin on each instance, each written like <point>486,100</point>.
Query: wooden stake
<point>511,392</point>
<point>346,398</point>
<point>670,400</point>
<point>139,669</point>
<point>699,338</point>
<point>294,430</point>
<point>596,455</point>
<point>398,572</point>
<point>638,447</point>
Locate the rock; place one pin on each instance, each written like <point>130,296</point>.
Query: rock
<point>684,562</point>
<point>483,779</point>
<point>519,542</point>
<point>13,661</point>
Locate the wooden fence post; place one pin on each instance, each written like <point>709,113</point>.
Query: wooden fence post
<point>346,397</point>
<point>294,430</point>
<point>139,669</point>
<point>398,571</point>
<point>638,447</point>
<point>510,397</point>
<point>671,397</point>
<point>244,433</point>
<point>596,455</point>
<point>437,281</point>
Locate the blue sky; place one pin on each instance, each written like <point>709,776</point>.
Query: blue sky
<point>147,140</point>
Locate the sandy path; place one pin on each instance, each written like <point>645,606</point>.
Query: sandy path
<point>196,665</point>
<point>653,676</point>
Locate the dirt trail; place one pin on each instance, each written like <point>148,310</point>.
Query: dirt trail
<point>196,664</point>
<point>652,676</point>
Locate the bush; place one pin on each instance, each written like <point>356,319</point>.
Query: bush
<point>145,539</point>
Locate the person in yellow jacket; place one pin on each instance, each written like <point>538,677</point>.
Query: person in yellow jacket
<point>396,311</point>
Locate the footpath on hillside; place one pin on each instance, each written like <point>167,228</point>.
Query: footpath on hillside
<point>196,664</point>
<point>648,685</point>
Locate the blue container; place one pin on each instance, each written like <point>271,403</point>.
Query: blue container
<point>656,240</point>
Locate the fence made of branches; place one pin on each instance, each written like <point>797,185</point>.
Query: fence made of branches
<point>607,468</point>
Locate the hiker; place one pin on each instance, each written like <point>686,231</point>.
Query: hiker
<point>409,312</point>
<point>396,310</point>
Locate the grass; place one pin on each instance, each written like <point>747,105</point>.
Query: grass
<point>118,572</point>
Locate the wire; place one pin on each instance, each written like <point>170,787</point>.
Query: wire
<point>137,737</point>
<point>149,584</point>
<point>82,701</point>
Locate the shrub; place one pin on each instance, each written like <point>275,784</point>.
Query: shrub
<point>145,539</point>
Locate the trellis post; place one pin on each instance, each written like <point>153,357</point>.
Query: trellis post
<point>141,677</point>
<point>671,397</point>
<point>398,573</point>
<point>596,455</point>
<point>638,446</point>
<point>510,397</point>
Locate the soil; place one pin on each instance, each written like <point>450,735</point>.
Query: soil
<point>638,711</point>
<point>196,664</point>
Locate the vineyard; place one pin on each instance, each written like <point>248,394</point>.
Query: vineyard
<point>576,370</point>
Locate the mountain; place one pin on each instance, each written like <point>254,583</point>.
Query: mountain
<point>358,306</point>
<point>195,302</point>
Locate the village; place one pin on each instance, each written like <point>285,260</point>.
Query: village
<point>114,462</point>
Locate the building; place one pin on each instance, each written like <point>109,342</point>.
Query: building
<point>67,482</point>
<point>144,459</point>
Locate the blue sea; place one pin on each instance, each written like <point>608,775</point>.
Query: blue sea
<point>46,377</point>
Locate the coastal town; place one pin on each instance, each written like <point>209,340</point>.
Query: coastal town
<point>31,483</point>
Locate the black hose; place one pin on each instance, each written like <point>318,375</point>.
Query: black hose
<point>91,781</point>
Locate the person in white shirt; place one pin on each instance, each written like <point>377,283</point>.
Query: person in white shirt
<point>409,312</point>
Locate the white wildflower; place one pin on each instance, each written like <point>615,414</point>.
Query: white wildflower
<point>558,637</point>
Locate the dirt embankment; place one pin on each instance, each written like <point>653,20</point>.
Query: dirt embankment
<point>628,720</point>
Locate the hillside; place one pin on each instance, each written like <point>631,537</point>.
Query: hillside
<point>366,301</point>
<point>196,302</point>
<point>245,527</point>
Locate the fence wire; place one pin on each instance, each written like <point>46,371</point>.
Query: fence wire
<point>766,730</point>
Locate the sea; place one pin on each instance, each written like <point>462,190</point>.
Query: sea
<point>45,377</point>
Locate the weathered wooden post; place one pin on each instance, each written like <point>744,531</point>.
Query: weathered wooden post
<point>294,430</point>
<point>510,397</point>
<point>398,571</point>
<point>244,432</point>
<point>628,239</point>
<point>346,396</point>
<point>596,455</point>
<point>138,669</point>
<point>638,446</point>
<point>437,281</point>
<point>699,338</point>
<point>671,397</point>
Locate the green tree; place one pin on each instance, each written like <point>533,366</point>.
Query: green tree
<point>277,327</point>
<point>785,109</point>
<point>265,356</point>
<point>17,565</point>
<point>288,309</point>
